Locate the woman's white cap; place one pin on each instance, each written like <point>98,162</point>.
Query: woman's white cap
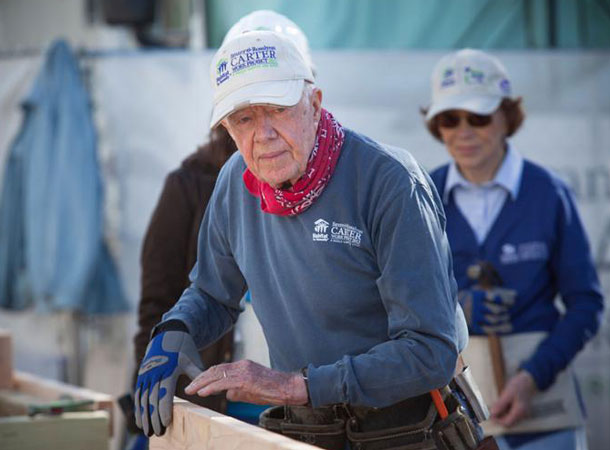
<point>254,68</point>
<point>468,79</point>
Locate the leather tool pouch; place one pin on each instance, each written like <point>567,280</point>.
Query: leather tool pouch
<point>320,426</point>
<point>412,424</point>
<point>404,425</point>
<point>457,431</point>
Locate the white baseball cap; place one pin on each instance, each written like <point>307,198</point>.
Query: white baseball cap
<point>265,19</point>
<point>468,79</point>
<point>254,68</point>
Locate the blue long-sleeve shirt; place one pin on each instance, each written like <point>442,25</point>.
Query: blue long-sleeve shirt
<point>358,288</point>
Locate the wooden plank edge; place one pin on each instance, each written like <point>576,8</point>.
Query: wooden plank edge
<point>6,359</point>
<point>195,427</point>
<point>48,389</point>
<point>70,431</point>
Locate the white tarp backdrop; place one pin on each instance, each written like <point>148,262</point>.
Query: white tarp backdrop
<point>153,108</point>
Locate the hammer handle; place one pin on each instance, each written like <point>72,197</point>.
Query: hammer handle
<point>497,361</point>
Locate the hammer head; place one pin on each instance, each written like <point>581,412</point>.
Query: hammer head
<point>485,274</point>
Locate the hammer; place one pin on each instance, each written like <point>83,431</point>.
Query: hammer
<point>487,277</point>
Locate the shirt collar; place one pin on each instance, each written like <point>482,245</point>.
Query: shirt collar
<point>508,176</point>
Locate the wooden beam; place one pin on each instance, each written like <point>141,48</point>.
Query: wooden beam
<point>6,359</point>
<point>52,390</point>
<point>47,389</point>
<point>15,403</point>
<point>31,386</point>
<point>197,428</point>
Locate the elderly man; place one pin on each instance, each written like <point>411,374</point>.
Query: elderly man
<point>341,242</point>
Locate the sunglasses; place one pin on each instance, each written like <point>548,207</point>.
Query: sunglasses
<point>450,119</point>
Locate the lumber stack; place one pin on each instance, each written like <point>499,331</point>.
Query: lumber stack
<point>40,413</point>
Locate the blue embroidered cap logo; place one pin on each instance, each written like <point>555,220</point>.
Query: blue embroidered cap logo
<point>448,78</point>
<point>221,67</point>
<point>472,76</point>
<point>505,86</point>
<point>222,71</point>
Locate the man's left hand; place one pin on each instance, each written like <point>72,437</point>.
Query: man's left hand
<point>247,381</point>
<point>515,399</point>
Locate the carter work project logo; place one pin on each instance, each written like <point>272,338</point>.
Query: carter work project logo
<point>245,60</point>
<point>339,233</point>
<point>253,58</point>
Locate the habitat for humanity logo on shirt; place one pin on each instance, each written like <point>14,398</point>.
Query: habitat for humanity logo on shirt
<point>525,251</point>
<point>340,233</point>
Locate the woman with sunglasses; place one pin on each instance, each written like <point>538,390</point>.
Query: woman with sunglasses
<point>517,241</point>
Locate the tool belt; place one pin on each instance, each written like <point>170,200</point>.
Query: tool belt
<point>412,424</point>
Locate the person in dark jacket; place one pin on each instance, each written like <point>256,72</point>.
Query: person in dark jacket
<point>170,249</point>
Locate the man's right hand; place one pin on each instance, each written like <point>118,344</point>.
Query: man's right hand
<point>170,354</point>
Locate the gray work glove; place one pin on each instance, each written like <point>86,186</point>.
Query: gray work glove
<point>169,354</point>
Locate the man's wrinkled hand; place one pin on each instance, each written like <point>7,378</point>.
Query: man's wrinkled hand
<point>515,400</point>
<point>487,311</point>
<point>169,355</point>
<point>247,381</point>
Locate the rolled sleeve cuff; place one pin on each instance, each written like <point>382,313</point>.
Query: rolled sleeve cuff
<point>325,385</point>
<point>186,319</point>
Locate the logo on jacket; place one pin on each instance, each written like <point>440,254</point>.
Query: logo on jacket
<point>525,251</point>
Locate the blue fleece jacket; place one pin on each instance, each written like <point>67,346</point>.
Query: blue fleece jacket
<point>539,247</point>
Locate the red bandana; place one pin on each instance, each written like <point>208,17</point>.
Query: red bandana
<point>320,167</point>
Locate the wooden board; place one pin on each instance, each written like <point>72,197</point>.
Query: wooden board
<point>15,403</point>
<point>28,389</point>
<point>6,359</point>
<point>556,408</point>
<point>46,389</point>
<point>197,428</point>
<point>68,431</point>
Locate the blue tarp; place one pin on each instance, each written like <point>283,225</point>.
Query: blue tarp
<point>429,24</point>
<point>52,251</point>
